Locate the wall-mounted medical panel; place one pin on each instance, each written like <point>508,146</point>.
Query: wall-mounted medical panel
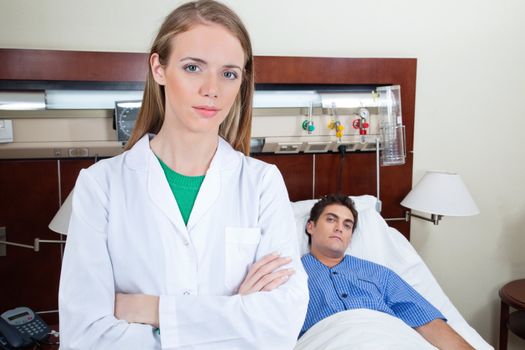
<point>357,121</point>
<point>56,135</point>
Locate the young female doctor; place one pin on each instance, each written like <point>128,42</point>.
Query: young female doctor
<point>162,237</point>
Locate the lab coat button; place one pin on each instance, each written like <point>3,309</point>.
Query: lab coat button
<point>186,242</point>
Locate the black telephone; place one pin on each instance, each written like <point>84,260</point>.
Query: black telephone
<point>21,327</point>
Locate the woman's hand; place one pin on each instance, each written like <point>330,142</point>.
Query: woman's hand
<point>263,276</point>
<point>137,308</point>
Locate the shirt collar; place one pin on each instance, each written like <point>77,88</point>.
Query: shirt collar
<point>314,262</point>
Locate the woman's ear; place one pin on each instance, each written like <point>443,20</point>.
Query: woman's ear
<point>157,69</point>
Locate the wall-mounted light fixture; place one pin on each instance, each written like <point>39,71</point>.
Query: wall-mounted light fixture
<point>440,194</point>
<point>54,98</point>
<point>22,100</point>
<point>88,99</point>
<point>59,224</point>
<point>36,243</point>
<point>64,99</point>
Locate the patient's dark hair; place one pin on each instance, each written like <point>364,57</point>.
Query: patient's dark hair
<point>327,200</point>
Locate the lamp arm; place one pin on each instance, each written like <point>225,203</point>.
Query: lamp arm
<point>38,241</point>
<point>36,246</point>
<point>434,218</point>
<point>17,244</point>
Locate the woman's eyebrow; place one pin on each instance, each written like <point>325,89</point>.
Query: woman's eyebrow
<point>232,66</point>
<point>200,60</point>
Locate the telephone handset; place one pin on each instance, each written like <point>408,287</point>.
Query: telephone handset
<point>21,327</point>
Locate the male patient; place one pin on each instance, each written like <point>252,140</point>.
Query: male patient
<point>339,282</point>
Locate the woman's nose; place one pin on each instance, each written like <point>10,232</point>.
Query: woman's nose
<point>210,86</point>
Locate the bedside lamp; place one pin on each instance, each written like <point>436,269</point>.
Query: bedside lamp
<point>60,222</point>
<point>440,194</point>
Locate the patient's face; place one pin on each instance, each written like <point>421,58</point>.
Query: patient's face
<point>332,233</point>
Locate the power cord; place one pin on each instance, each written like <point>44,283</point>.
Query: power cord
<point>342,154</point>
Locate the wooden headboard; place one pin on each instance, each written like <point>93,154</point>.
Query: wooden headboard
<point>30,189</point>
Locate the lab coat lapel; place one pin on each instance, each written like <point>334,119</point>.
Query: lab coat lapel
<point>208,194</point>
<point>209,190</point>
<point>161,194</point>
<point>225,158</point>
<point>141,158</point>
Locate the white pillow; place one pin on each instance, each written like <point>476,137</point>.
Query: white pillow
<point>374,240</point>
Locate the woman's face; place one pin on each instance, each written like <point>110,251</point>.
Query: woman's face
<point>201,78</point>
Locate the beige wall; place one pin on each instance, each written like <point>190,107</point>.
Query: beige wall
<point>469,105</point>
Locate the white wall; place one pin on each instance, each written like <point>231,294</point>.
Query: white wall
<point>469,104</point>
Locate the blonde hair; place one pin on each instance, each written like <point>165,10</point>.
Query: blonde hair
<point>236,128</point>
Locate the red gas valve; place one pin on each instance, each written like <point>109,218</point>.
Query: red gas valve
<point>361,124</point>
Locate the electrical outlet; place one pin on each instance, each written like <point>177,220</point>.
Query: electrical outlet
<point>6,131</point>
<point>3,237</point>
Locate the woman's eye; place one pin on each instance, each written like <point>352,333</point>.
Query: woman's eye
<point>230,75</point>
<point>191,68</point>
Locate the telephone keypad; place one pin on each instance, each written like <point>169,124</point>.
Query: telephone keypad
<point>33,328</point>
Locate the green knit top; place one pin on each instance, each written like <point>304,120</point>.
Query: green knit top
<point>184,188</point>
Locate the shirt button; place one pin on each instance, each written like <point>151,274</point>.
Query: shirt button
<point>344,295</point>
<point>334,272</point>
<point>186,293</point>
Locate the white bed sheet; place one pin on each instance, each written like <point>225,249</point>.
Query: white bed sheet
<point>362,329</point>
<point>374,240</point>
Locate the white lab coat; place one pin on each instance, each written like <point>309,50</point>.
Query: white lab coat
<point>127,235</point>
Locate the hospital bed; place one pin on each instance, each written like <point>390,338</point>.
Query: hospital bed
<point>374,240</point>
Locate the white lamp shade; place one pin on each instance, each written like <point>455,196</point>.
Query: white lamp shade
<point>442,194</point>
<point>60,222</point>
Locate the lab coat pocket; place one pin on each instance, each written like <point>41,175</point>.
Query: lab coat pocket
<point>240,250</point>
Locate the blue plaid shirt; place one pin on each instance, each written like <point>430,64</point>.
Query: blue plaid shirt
<point>360,284</point>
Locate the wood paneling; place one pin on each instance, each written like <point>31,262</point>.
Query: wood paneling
<point>328,70</point>
<point>297,171</point>
<point>358,178</point>
<point>69,173</point>
<point>53,65</point>
<point>29,192</point>
<point>358,174</point>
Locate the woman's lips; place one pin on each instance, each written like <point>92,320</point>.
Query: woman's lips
<point>206,111</point>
